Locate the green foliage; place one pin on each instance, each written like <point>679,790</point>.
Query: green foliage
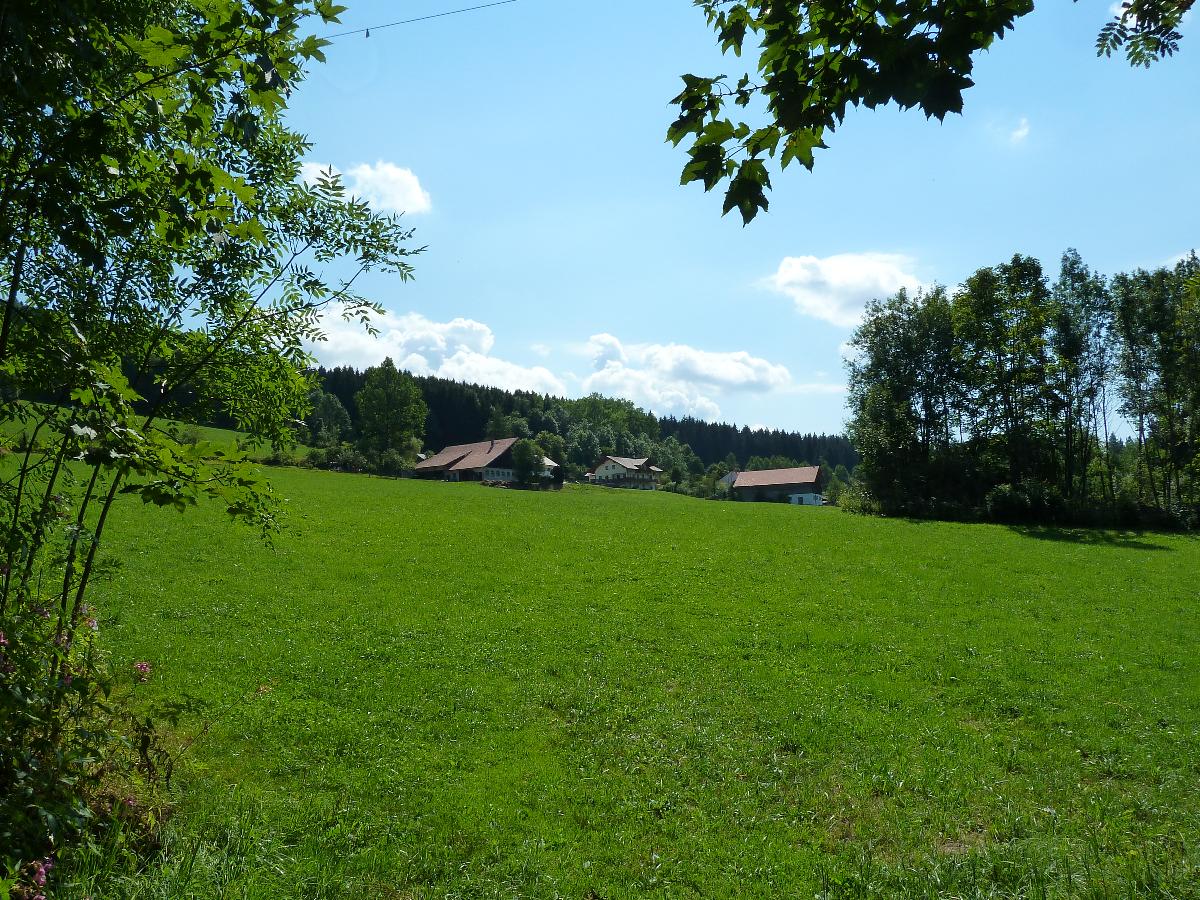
<point>816,60</point>
<point>527,461</point>
<point>552,446</point>
<point>1000,401</point>
<point>328,422</point>
<point>758,463</point>
<point>773,700</point>
<point>390,409</point>
<point>157,253</point>
<point>590,426</point>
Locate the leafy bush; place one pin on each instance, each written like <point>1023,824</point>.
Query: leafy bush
<point>1027,502</point>
<point>281,456</point>
<point>64,740</point>
<point>391,462</point>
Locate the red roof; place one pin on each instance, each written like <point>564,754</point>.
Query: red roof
<point>466,456</point>
<point>804,475</point>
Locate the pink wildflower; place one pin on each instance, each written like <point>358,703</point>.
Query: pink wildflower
<point>143,671</point>
<point>41,870</point>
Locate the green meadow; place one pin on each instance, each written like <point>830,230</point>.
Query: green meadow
<point>437,690</point>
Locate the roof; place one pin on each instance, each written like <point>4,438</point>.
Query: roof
<point>549,463</point>
<point>466,456</point>
<point>777,477</point>
<point>629,462</point>
<point>638,465</point>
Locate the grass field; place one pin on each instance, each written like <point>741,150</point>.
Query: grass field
<point>434,690</point>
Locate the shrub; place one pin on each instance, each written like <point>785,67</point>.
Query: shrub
<point>190,434</point>
<point>391,462</point>
<point>281,456</point>
<point>347,459</point>
<point>56,734</point>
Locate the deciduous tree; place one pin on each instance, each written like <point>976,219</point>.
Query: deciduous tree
<point>390,409</point>
<point>815,60</point>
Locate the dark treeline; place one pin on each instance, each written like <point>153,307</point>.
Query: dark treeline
<point>1001,400</point>
<point>714,441</point>
<point>590,426</point>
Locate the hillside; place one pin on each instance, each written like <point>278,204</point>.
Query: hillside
<point>447,690</point>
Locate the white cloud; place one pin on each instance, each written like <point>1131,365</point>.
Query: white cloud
<point>540,349</point>
<point>1018,134</point>
<point>481,369</point>
<point>676,378</point>
<point>458,349</point>
<point>836,288</point>
<point>648,389</point>
<point>311,171</point>
<point>604,348</point>
<point>389,188</point>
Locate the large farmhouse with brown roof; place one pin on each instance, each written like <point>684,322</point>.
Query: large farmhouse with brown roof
<point>622,471</point>
<point>481,461</point>
<point>802,485</point>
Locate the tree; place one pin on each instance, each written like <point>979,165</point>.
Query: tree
<point>553,446</point>
<point>328,421</point>
<point>817,59</point>
<point>994,402</point>
<point>527,461</point>
<point>153,232</point>
<point>391,411</point>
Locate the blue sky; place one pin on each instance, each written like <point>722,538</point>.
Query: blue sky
<point>526,145</point>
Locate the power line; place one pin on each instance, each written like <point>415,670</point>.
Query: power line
<point>452,12</point>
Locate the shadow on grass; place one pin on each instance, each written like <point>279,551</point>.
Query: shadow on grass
<point>1096,537</point>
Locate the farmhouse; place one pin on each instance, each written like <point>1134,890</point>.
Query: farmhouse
<point>802,485</point>
<point>481,461</point>
<point>621,471</point>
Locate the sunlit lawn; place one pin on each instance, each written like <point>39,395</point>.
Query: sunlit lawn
<point>434,690</point>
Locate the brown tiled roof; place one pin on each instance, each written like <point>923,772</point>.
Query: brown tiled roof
<point>484,453</point>
<point>466,456</point>
<point>778,477</point>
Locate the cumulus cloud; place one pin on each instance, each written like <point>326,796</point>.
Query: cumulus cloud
<point>1018,134</point>
<point>836,288</point>
<point>458,349</point>
<point>676,378</point>
<point>389,188</point>
<point>646,388</point>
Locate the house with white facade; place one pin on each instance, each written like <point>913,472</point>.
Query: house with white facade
<point>623,471</point>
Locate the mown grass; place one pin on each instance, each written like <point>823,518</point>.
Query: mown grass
<point>434,690</point>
